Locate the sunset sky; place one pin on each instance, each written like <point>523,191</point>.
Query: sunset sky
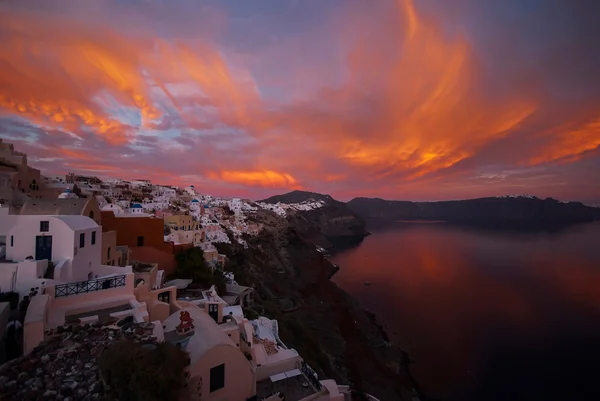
<point>400,99</point>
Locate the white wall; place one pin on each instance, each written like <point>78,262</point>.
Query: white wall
<point>65,244</point>
<point>111,207</point>
<point>22,276</point>
<point>6,222</point>
<point>88,257</point>
<point>26,228</point>
<point>35,323</point>
<point>7,276</point>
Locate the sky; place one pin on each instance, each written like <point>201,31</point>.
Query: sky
<point>398,99</point>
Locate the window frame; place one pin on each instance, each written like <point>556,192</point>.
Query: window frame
<point>217,383</point>
<point>44,226</point>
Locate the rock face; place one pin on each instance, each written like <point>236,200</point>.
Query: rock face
<point>509,211</point>
<point>64,367</point>
<point>329,226</point>
<point>329,329</point>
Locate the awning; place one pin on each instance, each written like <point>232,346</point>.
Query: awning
<point>179,283</point>
<point>278,377</point>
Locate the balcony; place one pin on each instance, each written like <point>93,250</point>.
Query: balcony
<point>84,287</point>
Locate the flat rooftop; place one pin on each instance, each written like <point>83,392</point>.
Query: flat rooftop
<point>102,314</point>
<point>142,267</point>
<point>293,388</point>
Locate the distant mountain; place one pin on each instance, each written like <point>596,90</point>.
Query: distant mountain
<point>508,210</point>
<point>298,197</point>
<point>331,225</point>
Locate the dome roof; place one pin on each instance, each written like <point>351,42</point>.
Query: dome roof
<point>67,191</point>
<point>195,201</point>
<point>136,206</point>
<point>207,334</point>
<point>191,186</point>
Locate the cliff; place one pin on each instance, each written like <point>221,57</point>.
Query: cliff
<point>331,331</point>
<point>331,225</point>
<point>519,210</point>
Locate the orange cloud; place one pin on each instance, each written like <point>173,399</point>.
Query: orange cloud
<point>428,115</point>
<point>58,79</point>
<point>570,143</point>
<point>407,105</point>
<point>258,178</point>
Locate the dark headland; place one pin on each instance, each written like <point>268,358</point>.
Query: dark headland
<point>328,326</point>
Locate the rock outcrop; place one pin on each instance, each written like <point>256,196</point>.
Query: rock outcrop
<point>331,225</point>
<point>330,330</point>
<point>64,367</point>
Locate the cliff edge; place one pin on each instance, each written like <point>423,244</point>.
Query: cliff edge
<point>331,225</point>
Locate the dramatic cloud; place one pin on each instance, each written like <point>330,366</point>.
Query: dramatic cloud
<point>401,99</point>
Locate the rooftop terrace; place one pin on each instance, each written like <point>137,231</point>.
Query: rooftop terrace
<point>293,388</point>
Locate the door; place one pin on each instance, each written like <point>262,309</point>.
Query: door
<point>43,247</point>
<point>213,311</point>
<point>165,297</point>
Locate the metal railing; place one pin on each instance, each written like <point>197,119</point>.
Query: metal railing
<point>310,375</point>
<point>83,287</point>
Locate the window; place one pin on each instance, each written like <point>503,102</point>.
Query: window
<point>12,240</point>
<point>140,241</point>
<point>44,226</point>
<point>81,240</point>
<point>108,253</point>
<point>93,237</point>
<point>91,214</point>
<point>217,378</point>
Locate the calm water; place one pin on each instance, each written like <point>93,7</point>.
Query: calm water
<point>487,315</point>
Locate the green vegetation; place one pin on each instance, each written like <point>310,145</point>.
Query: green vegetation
<point>192,265</point>
<point>293,334</point>
<point>240,272</point>
<point>136,373</point>
<point>10,297</point>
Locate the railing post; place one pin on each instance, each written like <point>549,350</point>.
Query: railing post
<point>83,287</point>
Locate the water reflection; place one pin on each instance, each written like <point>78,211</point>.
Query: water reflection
<point>456,296</point>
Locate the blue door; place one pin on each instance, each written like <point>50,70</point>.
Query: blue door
<point>213,311</point>
<point>43,247</point>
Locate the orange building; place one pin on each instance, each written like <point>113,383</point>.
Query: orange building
<point>145,237</point>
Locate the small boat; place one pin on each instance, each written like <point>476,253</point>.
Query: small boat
<point>367,283</point>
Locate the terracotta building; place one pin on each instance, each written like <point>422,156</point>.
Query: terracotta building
<point>145,238</point>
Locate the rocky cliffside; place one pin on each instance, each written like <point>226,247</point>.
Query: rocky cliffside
<point>331,225</point>
<point>520,210</point>
<point>335,335</point>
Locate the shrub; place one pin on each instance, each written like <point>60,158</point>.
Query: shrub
<point>135,373</point>
<point>10,297</point>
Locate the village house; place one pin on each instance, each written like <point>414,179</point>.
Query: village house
<point>24,178</point>
<point>216,362</point>
<point>114,208</point>
<point>144,236</point>
<point>194,237</point>
<point>72,207</point>
<point>181,222</point>
<point>239,295</point>
<point>65,240</point>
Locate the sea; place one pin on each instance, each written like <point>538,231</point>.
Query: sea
<point>485,314</point>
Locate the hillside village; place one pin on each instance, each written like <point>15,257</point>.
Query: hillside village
<point>104,258</point>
